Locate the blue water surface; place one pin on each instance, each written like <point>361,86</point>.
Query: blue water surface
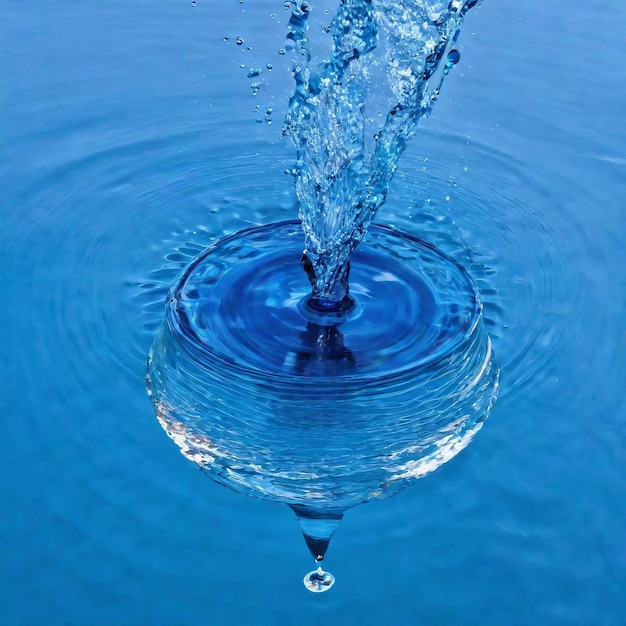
<point>130,139</point>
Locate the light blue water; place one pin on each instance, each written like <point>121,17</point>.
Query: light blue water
<point>129,143</point>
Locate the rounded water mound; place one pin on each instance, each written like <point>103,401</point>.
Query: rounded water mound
<point>275,403</point>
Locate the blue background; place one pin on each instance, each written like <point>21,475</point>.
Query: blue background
<point>129,141</point>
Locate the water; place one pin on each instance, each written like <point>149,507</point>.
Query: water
<point>387,62</point>
<point>313,396</point>
<point>130,143</point>
<point>319,415</point>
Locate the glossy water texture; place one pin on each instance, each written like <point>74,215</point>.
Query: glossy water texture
<point>130,143</point>
<point>352,116</point>
<point>321,418</point>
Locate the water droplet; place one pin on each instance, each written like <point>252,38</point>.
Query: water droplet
<point>281,51</point>
<point>269,111</point>
<point>225,38</point>
<point>319,581</point>
<point>252,72</point>
<point>239,41</point>
<point>193,3</point>
<point>453,58</point>
<point>270,67</point>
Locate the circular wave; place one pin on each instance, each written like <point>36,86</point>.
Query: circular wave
<point>275,405</point>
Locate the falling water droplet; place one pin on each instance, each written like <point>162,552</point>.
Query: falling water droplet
<point>319,581</point>
<point>252,72</point>
<point>239,41</point>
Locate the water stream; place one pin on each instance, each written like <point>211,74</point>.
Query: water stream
<point>349,388</point>
<point>352,116</point>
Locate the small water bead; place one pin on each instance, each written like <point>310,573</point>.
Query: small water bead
<point>252,72</point>
<point>453,58</point>
<point>239,41</point>
<point>319,581</point>
<point>269,66</point>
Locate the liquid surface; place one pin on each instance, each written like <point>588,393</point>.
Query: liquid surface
<point>130,142</point>
<point>276,406</point>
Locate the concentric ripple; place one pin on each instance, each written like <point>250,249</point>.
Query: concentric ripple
<point>276,405</point>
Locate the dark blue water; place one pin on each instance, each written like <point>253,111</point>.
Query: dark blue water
<point>129,142</point>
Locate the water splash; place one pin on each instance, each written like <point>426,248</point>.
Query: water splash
<point>321,417</point>
<point>351,117</point>
<point>317,399</point>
